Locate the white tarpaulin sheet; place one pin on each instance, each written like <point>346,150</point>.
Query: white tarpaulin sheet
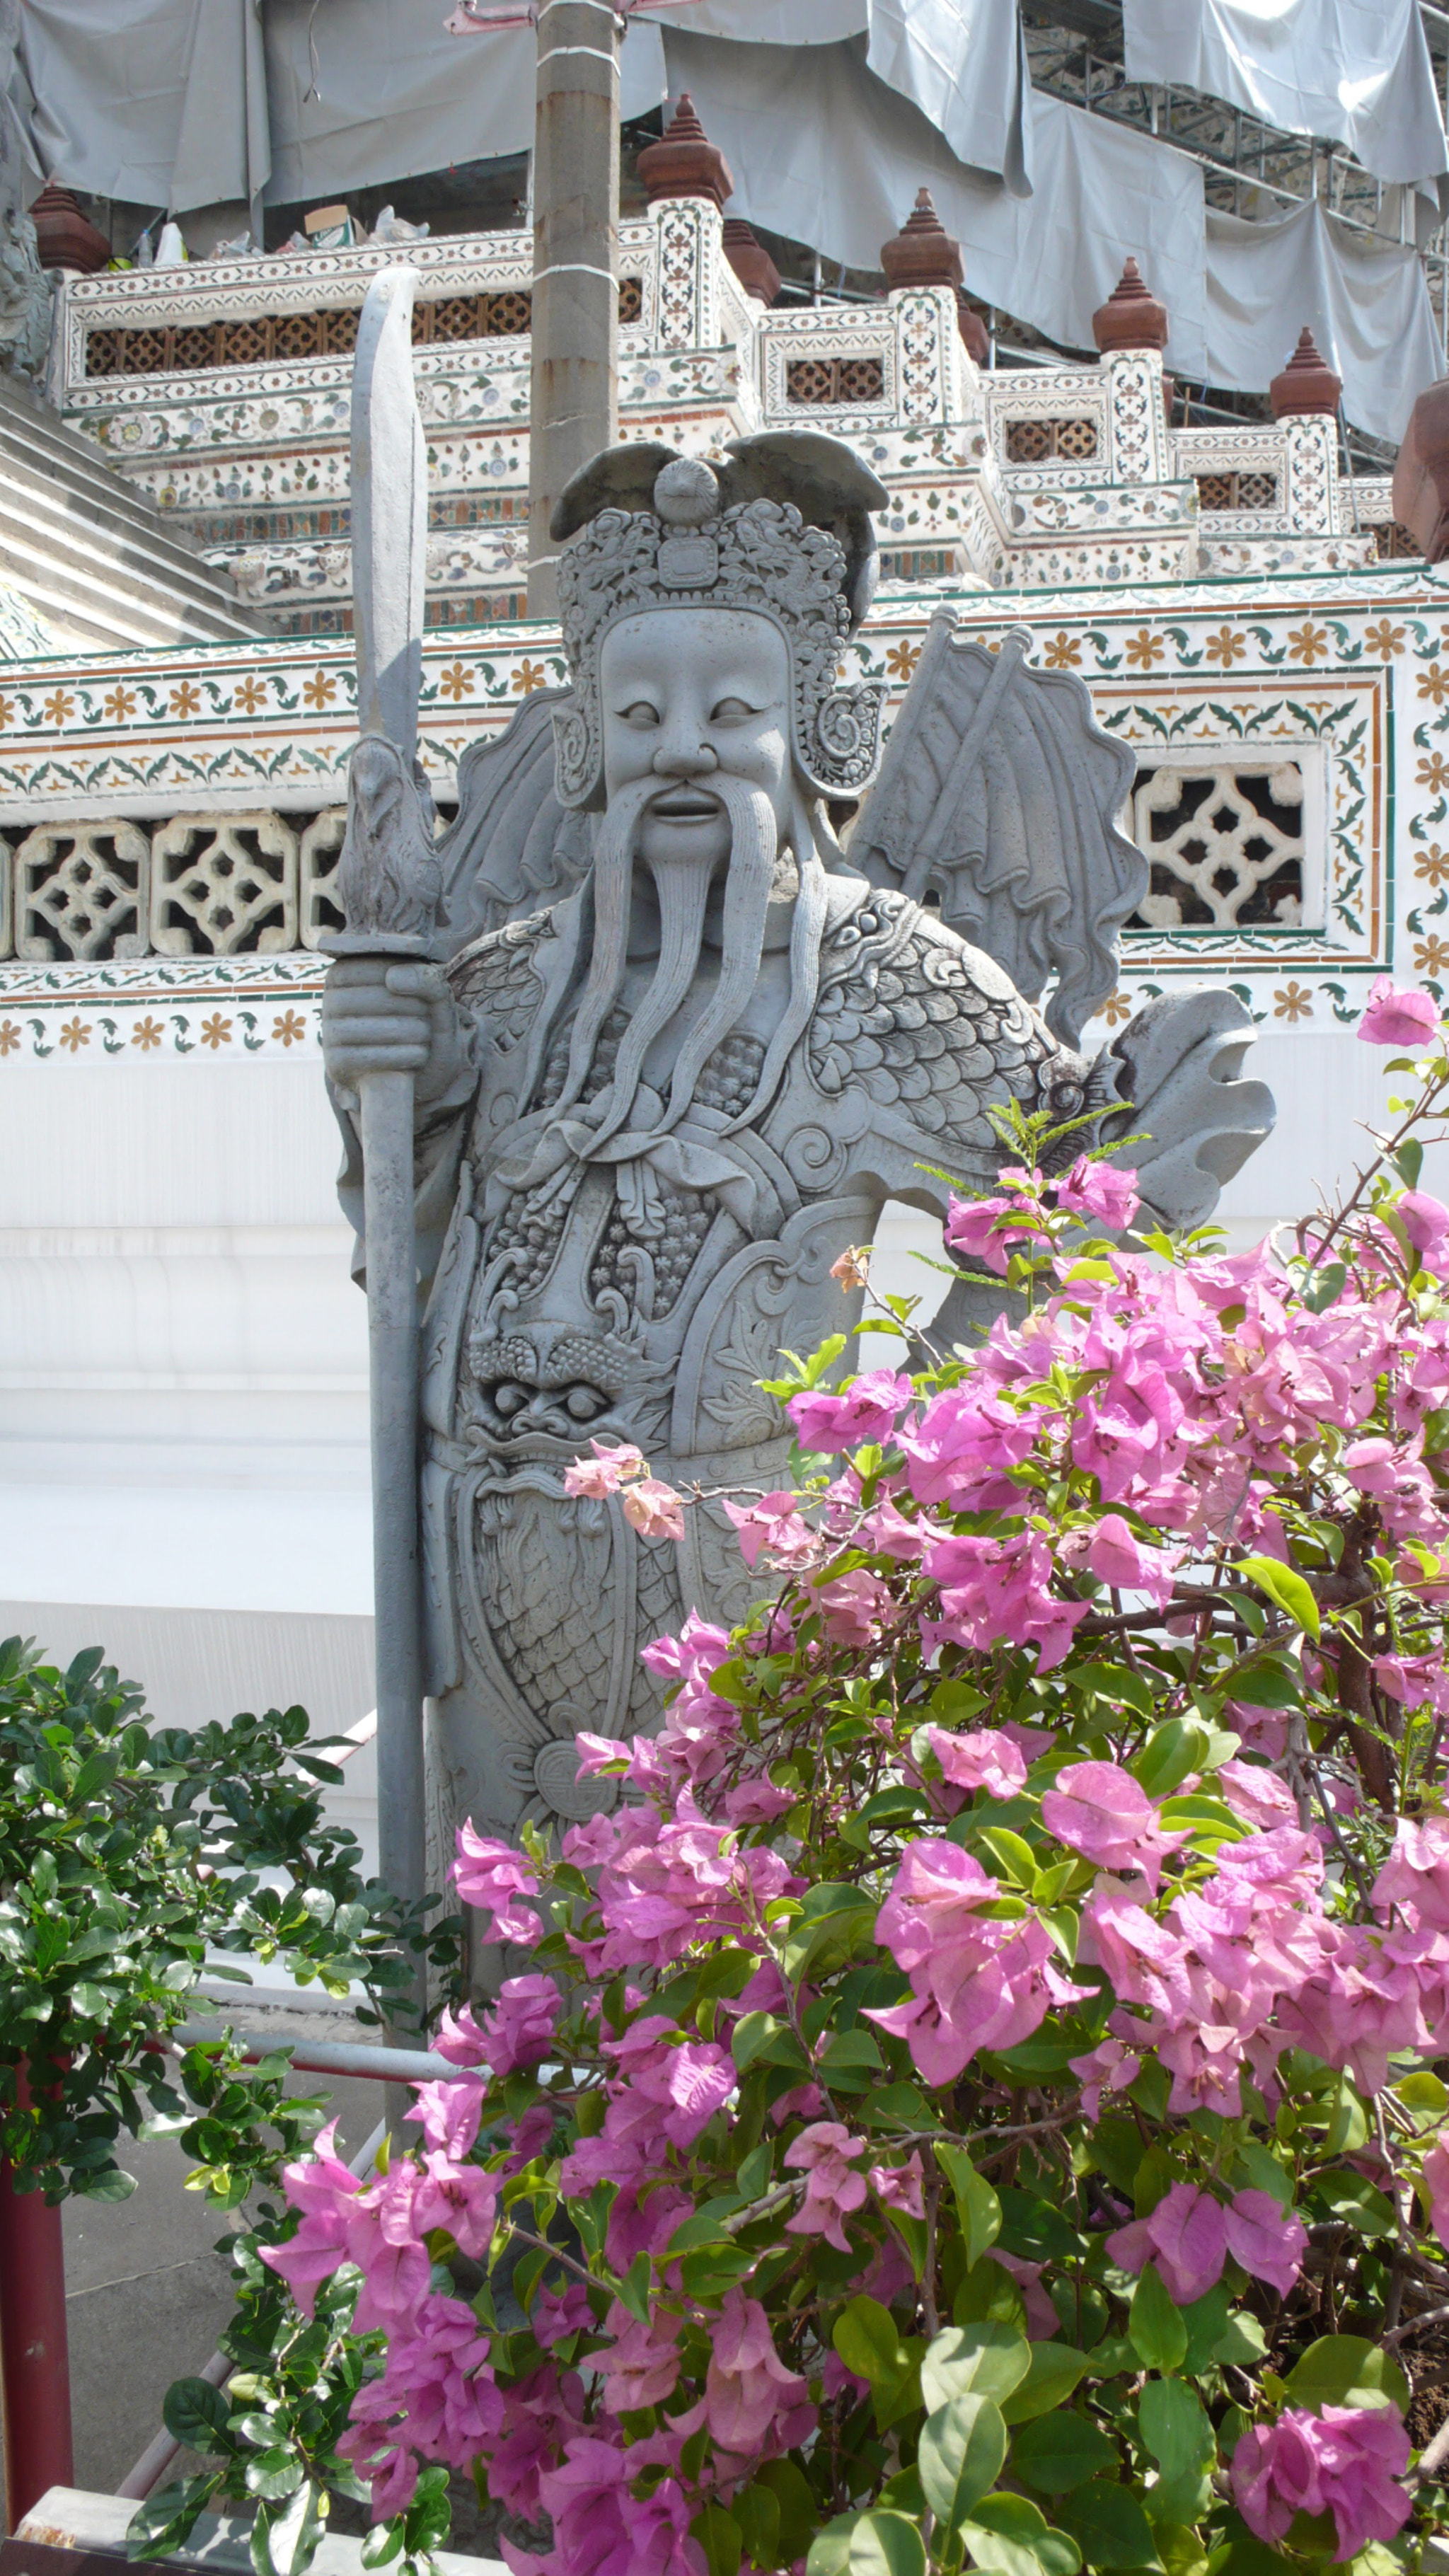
<point>823,152</point>
<point>962,62</point>
<point>361,94</point>
<point>1357,71</point>
<point>1364,300</point>
<point>162,102</point>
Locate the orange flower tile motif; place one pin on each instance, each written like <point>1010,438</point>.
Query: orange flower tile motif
<point>1293,1002</point>
<point>216,1032</point>
<point>901,660</point>
<point>1308,644</point>
<point>1433,773</point>
<point>1431,955</point>
<point>290,1029</point>
<point>185,700</point>
<point>1144,649</point>
<point>528,677</point>
<point>1432,864</point>
<point>456,682</point>
<point>1382,640</point>
<point>10,1037</point>
<point>147,1033</point>
<point>251,695</point>
<point>1434,683</point>
<point>320,690</point>
<point>59,708</point>
<point>1116,1008</point>
<point>121,705</point>
<point>75,1035</point>
<point>1226,647</point>
<point>1063,653</point>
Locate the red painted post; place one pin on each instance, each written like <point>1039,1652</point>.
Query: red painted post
<point>34,2357</point>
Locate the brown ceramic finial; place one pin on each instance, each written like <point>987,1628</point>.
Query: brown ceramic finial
<point>1132,317</point>
<point>684,163</point>
<point>922,252</point>
<point>64,237</point>
<point>1421,476</point>
<point>971,327</point>
<point>750,261</point>
<point>1307,384</point>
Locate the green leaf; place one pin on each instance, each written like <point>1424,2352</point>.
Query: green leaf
<point>284,2544</point>
<point>1007,2535</point>
<point>757,2512</point>
<point>274,2473</point>
<point>979,2208</point>
<point>849,2063</point>
<point>867,2340</point>
<point>883,2544</point>
<point>1061,2450</point>
<point>381,2544</point>
<point>1109,2525</point>
<point>962,2449</point>
<point>835,1921</point>
<point>1345,2370</point>
<point>1156,2326</point>
<point>1353,2197</point>
<point>829,2552</point>
<point>799,2511</point>
<point>633,2288</point>
<point>193,2412</point>
<point>1172,1752</point>
<point>1423,2094</point>
<point>720,2538</point>
<point>983,2360</point>
<point>1054,2373</point>
<point>1182,2442</point>
<point>712,2269</point>
<point>1285,1587</point>
<point>168,2517</point>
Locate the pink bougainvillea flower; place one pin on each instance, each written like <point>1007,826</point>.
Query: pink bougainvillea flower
<point>1436,2189</point>
<point>1108,2068</point>
<point>1345,2460</point>
<point>1256,1794</point>
<point>461,2039</point>
<point>867,1410</point>
<point>1186,2236</point>
<point>641,2367</point>
<point>899,2186</point>
<point>754,2407</point>
<point>1267,2240</point>
<point>1095,1189</point>
<point>1416,1873</point>
<point>1425,1221</point>
<point>1398,1015</point>
<point>654,1509</point>
<point>592,1479</point>
<point>852,1606</point>
<point>991,1229</point>
<point>1042,2321</point>
<point>520,2029</point>
<point>982,1760</point>
<point>773,1527</point>
<point>828,2154</point>
<point>1099,1810</point>
<point>490,1874</point>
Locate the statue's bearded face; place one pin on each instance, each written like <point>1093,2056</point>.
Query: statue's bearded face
<point>690,696</point>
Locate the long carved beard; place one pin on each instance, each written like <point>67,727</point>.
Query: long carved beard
<point>683,895</point>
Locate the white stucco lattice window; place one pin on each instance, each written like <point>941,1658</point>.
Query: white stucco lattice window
<point>221,885</point>
<point>1234,843</point>
<point>82,890</point>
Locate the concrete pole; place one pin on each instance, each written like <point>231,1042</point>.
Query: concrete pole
<point>575,388</point>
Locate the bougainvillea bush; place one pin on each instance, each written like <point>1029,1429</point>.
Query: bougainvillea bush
<point>973,2100</point>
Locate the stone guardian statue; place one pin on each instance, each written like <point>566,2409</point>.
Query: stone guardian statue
<point>680,1047</point>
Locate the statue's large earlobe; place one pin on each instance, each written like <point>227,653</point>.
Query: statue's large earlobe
<point>840,754</point>
<point>578,752</point>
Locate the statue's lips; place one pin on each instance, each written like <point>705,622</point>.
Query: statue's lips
<point>687,805</point>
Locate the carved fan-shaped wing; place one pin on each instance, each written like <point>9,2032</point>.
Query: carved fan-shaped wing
<point>513,847</point>
<point>998,791</point>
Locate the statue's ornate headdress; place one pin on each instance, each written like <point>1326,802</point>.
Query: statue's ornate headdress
<point>781,526</point>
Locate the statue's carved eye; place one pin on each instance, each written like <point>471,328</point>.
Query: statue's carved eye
<point>641,715</point>
<point>732,711</point>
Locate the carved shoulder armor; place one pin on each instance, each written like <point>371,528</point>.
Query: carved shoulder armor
<point>929,1026</point>
<point>498,978</point>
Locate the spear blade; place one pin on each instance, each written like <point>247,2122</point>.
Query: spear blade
<point>389,514</point>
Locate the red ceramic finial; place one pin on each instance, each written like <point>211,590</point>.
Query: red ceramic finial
<point>922,253</point>
<point>750,261</point>
<point>64,237</point>
<point>1307,384</point>
<point>1132,317</point>
<point>684,163</point>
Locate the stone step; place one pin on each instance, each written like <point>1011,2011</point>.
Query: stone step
<point>92,557</point>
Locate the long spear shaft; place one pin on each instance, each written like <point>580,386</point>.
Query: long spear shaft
<point>389,880</point>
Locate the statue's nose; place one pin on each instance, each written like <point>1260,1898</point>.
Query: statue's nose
<point>685,760</point>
